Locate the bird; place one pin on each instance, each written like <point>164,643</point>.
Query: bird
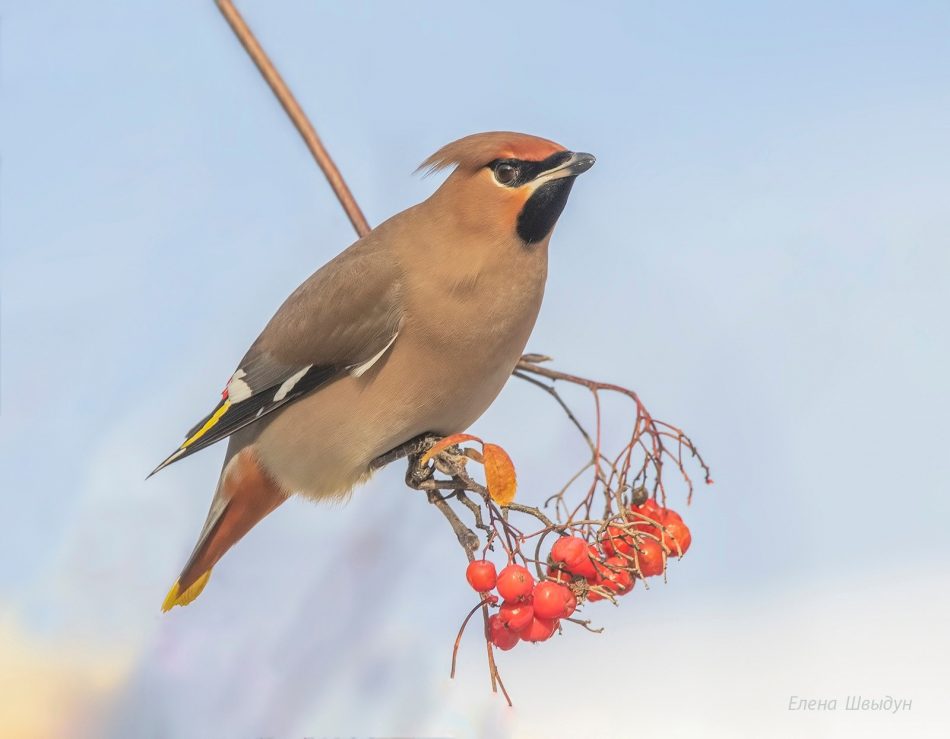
<point>413,329</point>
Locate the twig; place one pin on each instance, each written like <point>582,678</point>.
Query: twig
<point>299,118</point>
<point>467,538</point>
<point>585,624</point>
<point>549,389</point>
<point>458,639</point>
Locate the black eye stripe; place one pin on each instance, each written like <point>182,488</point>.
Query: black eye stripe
<point>554,160</point>
<point>525,171</point>
<point>528,170</point>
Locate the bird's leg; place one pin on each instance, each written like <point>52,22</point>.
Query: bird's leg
<point>417,474</point>
<point>415,447</point>
<point>451,461</point>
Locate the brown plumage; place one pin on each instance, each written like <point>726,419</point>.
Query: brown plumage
<point>413,329</point>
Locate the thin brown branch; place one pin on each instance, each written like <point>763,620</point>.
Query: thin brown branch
<point>585,624</point>
<point>458,639</point>
<point>549,389</point>
<point>299,118</point>
<point>467,538</point>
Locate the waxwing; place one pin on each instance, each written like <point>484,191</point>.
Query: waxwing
<point>413,329</point>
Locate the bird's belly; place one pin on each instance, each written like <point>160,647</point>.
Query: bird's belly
<point>322,445</point>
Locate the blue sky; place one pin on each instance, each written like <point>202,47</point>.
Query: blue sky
<point>761,251</point>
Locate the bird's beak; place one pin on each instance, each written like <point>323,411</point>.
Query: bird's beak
<point>578,163</point>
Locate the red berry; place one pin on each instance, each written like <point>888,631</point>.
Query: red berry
<point>500,636</point>
<point>593,597</point>
<point>574,555</point>
<point>481,575</point>
<point>649,510</point>
<point>669,514</point>
<point>515,582</point>
<point>551,600</point>
<point>651,507</point>
<point>516,614</point>
<point>676,536</point>
<point>595,579</point>
<point>585,567</point>
<point>616,541</point>
<point>618,580</point>
<point>559,575</point>
<point>649,557</point>
<point>540,629</point>
<point>570,605</point>
<point>569,550</point>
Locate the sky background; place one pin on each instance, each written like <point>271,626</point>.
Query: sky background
<point>762,251</point>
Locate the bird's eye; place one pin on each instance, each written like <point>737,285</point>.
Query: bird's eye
<point>506,173</point>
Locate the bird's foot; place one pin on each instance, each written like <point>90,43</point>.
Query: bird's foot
<point>449,461</point>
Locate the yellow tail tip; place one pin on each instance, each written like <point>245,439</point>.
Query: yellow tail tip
<point>174,598</point>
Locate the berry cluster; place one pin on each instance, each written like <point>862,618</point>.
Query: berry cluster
<point>530,611</point>
<point>635,546</point>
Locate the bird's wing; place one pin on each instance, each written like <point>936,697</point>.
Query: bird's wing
<point>342,320</point>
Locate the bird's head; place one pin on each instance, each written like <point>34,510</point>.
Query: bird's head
<point>508,181</point>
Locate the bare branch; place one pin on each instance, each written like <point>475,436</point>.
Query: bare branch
<point>299,118</point>
<point>467,538</point>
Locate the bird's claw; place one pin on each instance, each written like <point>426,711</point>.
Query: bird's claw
<point>451,461</point>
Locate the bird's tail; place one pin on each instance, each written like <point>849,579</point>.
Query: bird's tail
<point>245,495</point>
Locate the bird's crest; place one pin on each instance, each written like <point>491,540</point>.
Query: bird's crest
<point>475,151</point>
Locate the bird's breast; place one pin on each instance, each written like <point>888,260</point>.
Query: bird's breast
<point>473,325</point>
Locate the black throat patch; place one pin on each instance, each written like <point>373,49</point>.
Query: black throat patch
<point>542,209</point>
